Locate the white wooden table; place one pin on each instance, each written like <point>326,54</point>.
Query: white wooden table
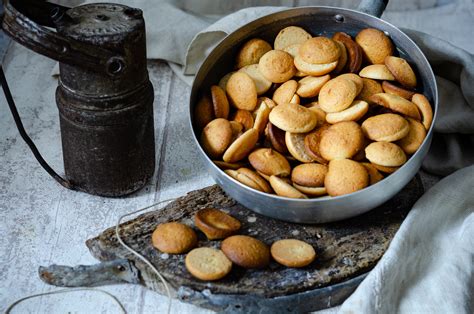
<point>43,223</point>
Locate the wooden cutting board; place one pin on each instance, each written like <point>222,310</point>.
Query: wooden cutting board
<point>346,251</point>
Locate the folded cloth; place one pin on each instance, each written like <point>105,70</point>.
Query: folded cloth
<point>429,265</point>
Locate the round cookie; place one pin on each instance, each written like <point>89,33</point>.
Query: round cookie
<point>385,154</point>
<point>216,224</point>
<point>310,175</point>
<point>414,138</point>
<point>277,66</point>
<point>387,127</point>
<point>293,118</point>
<point>270,162</point>
<point>251,52</point>
<point>375,45</point>
<point>396,90</point>
<point>219,102</point>
<point>246,251</point>
<point>370,87</point>
<point>283,188</point>
<point>314,69</point>
<point>203,112</point>
<point>174,238</point>
<point>208,264</point>
<point>356,111</point>
<point>310,86</point>
<point>341,140</point>
<point>397,104</point>
<point>262,85</point>
<point>354,78</point>
<point>377,72</point>
<point>319,50</point>
<point>425,108</point>
<point>345,176</point>
<point>337,94</point>
<point>242,91</point>
<point>293,253</point>
<point>295,142</point>
<point>277,138</point>
<point>290,35</point>
<point>241,147</point>
<point>402,71</point>
<point>216,137</point>
<point>285,92</point>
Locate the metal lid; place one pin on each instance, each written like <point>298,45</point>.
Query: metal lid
<point>100,22</point>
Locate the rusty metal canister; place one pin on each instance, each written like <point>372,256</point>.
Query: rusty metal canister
<point>104,95</point>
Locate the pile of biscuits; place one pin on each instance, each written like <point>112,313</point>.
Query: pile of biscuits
<point>207,263</point>
<point>313,116</point>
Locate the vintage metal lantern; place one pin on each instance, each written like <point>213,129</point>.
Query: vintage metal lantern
<point>104,95</point>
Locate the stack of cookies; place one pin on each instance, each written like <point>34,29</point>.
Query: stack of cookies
<point>206,263</point>
<point>314,116</point>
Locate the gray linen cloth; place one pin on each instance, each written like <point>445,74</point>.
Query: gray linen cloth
<point>429,266</point>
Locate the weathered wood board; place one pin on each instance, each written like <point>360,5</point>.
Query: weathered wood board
<point>345,250</point>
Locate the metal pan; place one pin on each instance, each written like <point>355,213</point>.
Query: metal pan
<point>325,21</point>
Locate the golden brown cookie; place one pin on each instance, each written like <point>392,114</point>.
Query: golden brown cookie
<point>246,251</point>
<point>293,51</point>
<point>216,137</point>
<point>293,118</point>
<point>285,92</point>
<point>414,138</point>
<point>261,83</point>
<point>290,35</point>
<point>375,45</point>
<point>425,108</point>
<point>314,69</point>
<point>249,178</point>
<point>293,253</point>
<point>402,71</point>
<point>377,72</point>
<point>397,104</point>
<point>295,142</point>
<point>369,88</point>
<point>341,140</point>
<point>311,175</point>
<point>319,50</point>
<point>354,51</point>
<point>387,127</point>
<point>270,162</point>
<point>310,86</point>
<point>310,190</point>
<point>241,147</point>
<point>261,117</point>
<point>391,88</point>
<point>208,264</point>
<point>277,66</point>
<point>342,61</point>
<point>312,141</point>
<point>243,117</point>
<point>345,176</point>
<point>385,154</point>
<point>242,91</point>
<point>277,138</point>
<point>283,188</point>
<point>337,94</point>
<point>203,112</point>
<point>251,52</point>
<point>219,102</point>
<point>216,224</point>
<point>174,238</point>
<point>374,175</point>
<point>356,111</point>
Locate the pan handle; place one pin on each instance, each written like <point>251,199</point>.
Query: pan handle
<point>372,7</point>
